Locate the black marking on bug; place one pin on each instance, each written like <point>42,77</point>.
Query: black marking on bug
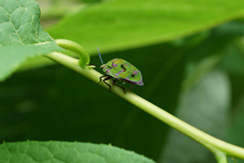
<point>123,67</point>
<point>109,67</point>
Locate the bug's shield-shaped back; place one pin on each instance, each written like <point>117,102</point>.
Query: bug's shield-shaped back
<point>123,70</point>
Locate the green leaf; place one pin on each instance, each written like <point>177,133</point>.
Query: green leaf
<point>122,24</point>
<point>22,37</point>
<point>204,106</point>
<point>66,152</point>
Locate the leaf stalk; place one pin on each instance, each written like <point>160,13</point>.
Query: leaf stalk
<point>218,147</point>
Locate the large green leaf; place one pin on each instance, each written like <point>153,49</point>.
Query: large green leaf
<point>66,152</point>
<point>21,35</point>
<point>123,24</point>
<point>83,111</point>
<point>70,107</point>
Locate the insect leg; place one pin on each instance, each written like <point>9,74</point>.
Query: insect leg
<point>113,82</point>
<point>102,77</point>
<point>104,80</point>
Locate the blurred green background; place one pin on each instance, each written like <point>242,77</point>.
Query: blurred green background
<point>191,55</point>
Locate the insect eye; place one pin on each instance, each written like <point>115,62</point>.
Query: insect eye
<point>133,75</point>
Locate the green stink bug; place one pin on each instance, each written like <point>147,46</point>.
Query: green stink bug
<point>120,69</point>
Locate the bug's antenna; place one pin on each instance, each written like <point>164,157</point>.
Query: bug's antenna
<point>100,55</point>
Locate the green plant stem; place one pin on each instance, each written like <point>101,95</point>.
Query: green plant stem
<point>78,49</point>
<point>214,144</point>
<point>220,157</point>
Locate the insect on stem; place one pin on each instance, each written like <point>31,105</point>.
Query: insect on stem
<point>100,55</point>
